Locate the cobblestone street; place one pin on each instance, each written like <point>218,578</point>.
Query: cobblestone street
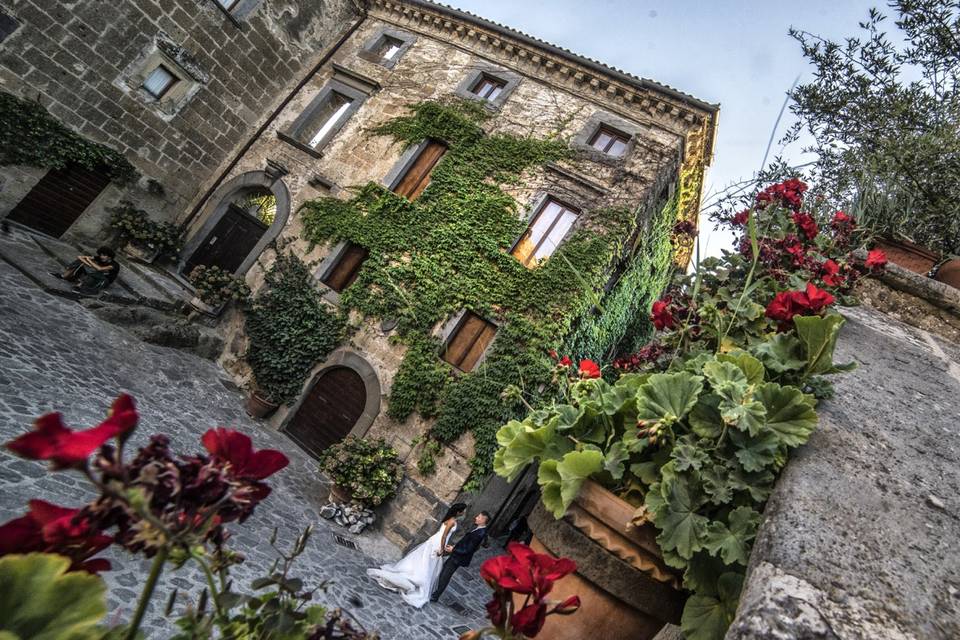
<point>55,355</point>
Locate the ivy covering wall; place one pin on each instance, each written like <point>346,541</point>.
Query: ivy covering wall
<point>30,135</point>
<point>449,250</point>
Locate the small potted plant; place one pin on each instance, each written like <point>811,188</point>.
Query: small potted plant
<point>143,238</point>
<point>363,470</point>
<point>215,287</point>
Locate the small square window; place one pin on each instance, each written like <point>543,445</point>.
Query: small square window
<point>545,233</point>
<point>389,48</point>
<point>469,341</point>
<point>323,121</point>
<point>159,81</point>
<point>347,268</point>
<point>488,87</point>
<point>610,141</point>
<point>227,4</point>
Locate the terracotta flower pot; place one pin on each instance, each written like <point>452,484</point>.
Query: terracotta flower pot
<point>908,255</point>
<point>259,407</point>
<point>949,273</point>
<point>140,253</point>
<point>203,307</point>
<point>626,590</point>
<point>339,494</point>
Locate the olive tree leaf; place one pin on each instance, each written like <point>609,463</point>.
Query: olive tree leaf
<point>668,396</point>
<point>732,540</point>
<point>790,413</point>
<point>819,338</point>
<point>781,353</point>
<point>755,452</point>
<point>682,528</point>
<point>40,600</point>
<point>707,617</point>
<point>561,480</point>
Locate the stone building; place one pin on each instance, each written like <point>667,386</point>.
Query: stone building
<point>632,166</point>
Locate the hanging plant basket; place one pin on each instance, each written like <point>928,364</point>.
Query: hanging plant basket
<point>627,591</point>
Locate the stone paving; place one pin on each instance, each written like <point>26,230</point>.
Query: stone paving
<point>55,355</point>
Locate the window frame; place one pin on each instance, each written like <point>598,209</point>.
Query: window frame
<point>293,133</point>
<point>477,74</point>
<point>452,328</point>
<point>614,135</point>
<point>408,162</point>
<point>537,210</point>
<point>174,79</point>
<point>497,84</point>
<point>371,47</point>
<point>600,121</point>
<point>338,255</point>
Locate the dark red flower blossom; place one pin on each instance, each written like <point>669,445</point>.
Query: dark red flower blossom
<point>741,218</point>
<point>237,449</point>
<point>48,528</point>
<point>830,274</point>
<point>662,315</point>
<point>684,228</point>
<point>876,260</point>
<point>841,219</point>
<point>568,606</point>
<point>496,612</point>
<point>806,224</point>
<point>565,361</point>
<point>589,369</point>
<point>553,354</point>
<point>52,440</point>
<point>812,299</point>
<point>529,620</point>
<point>781,307</point>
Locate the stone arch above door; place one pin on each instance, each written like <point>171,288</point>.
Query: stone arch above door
<point>358,365</point>
<point>220,201</point>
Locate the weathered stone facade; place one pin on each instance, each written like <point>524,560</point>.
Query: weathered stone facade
<point>439,53</point>
<point>85,61</point>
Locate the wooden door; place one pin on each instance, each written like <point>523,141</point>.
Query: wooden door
<point>330,410</point>
<point>417,177</point>
<point>59,198</point>
<point>230,242</point>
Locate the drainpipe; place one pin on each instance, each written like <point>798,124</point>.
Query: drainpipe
<point>273,116</point>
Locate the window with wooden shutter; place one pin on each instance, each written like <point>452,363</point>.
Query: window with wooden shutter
<point>345,271</point>
<point>469,341</point>
<point>417,176</point>
<point>547,229</point>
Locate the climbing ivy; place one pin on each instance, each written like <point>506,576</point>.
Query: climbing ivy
<point>449,250</point>
<point>30,135</point>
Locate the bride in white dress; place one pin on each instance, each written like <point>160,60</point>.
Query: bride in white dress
<point>415,575</point>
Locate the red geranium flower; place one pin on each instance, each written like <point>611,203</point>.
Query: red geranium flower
<point>237,449</point>
<point>876,260</point>
<point>662,315</point>
<point>806,224</point>
<point>741,218</point>
<point>565,361</point>
<point>529,620</point>
<point>52,440</point>
<point>51,529</point>
<point>813,299</point>
<point>781,307</point>
<point>495,612</point>
<point>830,274</point>
<point>840,218</point>
<point>553,354</point>
<point>568,606</point>
<point>589,369</point>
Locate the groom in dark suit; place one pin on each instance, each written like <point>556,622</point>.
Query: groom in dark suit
<point>462,553</point>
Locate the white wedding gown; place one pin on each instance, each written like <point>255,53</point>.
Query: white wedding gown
<point>415,575</point>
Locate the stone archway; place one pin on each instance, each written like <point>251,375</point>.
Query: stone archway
<point>224,215</point>
<point>342,399</point>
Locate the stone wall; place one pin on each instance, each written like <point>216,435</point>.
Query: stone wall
<point>433,67</point>
<point>83,61</point>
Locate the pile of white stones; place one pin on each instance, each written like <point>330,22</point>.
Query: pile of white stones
<point>355,517</point>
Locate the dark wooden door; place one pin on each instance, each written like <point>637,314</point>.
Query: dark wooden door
<point>330,410</point>
<point>231,241</point>
<point>417,177</point>
<point>59,198</point>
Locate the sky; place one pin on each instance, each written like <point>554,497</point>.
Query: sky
<point>733,52</point>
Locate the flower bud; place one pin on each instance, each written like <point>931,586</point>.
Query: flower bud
<point>471,635</point>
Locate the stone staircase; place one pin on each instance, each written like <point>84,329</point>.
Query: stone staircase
<point>36,255</point>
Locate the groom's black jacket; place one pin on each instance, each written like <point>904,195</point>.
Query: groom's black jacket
<point>463,551</point>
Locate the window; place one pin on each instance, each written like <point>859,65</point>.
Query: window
<point>610,141</point>
<point>347,267</point>
<point>390,47</point>
<point>417,176</point>
<point>159,81</point>
<point>545,232</point>
<point>322,121</point>
<point>488,87</point>
<point>469,341</point>
<point>227,4</point>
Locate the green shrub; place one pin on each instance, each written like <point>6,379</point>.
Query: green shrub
<point>370,470</point>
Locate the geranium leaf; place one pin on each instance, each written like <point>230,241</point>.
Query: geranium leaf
<point>732,540</point>
<point>549,479</point>
<point>755,452</point>
<point>708,617</point>
<point>668,396</point>
<point>561,479</point>
<point>682,528</point>
<point>617,399</point>
<point>39,600</point>
<point>702,573</point>
<point>780,353</point>
<point>613,461</point>
<point>521,444</point>
<point>790,414</point>
<point>726,379</point>
<point>747,415</point>
<point>705,418</point>
<point>716,484</point>
<point>819,338</point>
<point>751,367</point>
<point>687,455</point>
<point>759,484</point>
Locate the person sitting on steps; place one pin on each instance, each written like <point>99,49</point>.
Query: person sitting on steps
<point>92,274</point>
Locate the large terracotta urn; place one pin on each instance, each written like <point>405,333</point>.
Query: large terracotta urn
<point>949,273</point>
<point>626,590</point>
<point>908,255</point>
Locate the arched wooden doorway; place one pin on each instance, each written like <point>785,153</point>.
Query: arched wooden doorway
<point>248,215</point>
<point>330,410</point>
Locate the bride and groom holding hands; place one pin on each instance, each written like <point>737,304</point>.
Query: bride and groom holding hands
<point>423,574</point>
